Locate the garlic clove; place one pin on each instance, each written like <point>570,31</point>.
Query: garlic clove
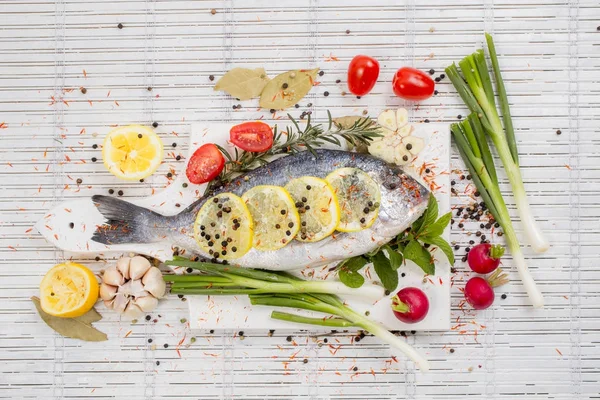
<point>113,277</point>
<point>146,303</point>
<point>138,267</point>
<point>406,130</point>
<point>133,288</point>
<point>154,283</point>
<point>387,119</point>
<point>109,304</point>
<point>107,292</point>
<point>413,144</point>
<point>120,302</point>
<point>132,311</point>
<point>123,266</point>
<point>401,117</point>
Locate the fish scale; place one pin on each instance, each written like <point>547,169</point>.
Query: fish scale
<point>403,200</point>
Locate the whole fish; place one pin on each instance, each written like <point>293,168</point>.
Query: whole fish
<point>403,200</point>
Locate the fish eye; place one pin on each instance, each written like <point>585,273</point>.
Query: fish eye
<point>390,185</point>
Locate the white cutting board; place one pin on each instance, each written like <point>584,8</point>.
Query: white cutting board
<point>235,312</point>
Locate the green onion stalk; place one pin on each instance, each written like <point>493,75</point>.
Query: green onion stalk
<point>280,289</point>
<point>474,150</point>
<point>476,91</point>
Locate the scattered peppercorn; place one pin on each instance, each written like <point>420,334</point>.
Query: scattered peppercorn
<point>71,225</point>
<point>211,78</point>
<point>120,193</point>
<point>155,124</point>
<point>503,296</point>
<point>558,132</point>
<point>289,338</point>
<point>94,146</point>
<point>149,340</point>
<point>79,181</point>
<point>213,11</point>
<point>326,93</point>
<point>149,88</point>
<point>94,159</point>
<point>120,26</point>
<point>148,317</point>
<point>83,90</point>
<point>431,71</point>
<point>111,191</point>
<point>158,363</point>
<point>451,350</point>
<point>348,31</point>
<point>166,345</point>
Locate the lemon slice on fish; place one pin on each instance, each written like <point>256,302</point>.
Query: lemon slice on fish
<point>358,196</point>
<point>223,227</point>
<point>275,217</point>
<point>317,205</point>
<point>132,152</point>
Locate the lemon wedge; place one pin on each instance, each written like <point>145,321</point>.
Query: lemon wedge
<point>317,205</point>
<point>68,290</point>
<point>276,219</point>
<point>132,152</point>
<point>359,198</point>
<point>224,227</point>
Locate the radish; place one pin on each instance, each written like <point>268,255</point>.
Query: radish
<point>410,305</point>
<point>479,292</point>
<point>484,258</point>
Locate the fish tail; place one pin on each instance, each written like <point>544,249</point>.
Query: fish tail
<point>126,222</point>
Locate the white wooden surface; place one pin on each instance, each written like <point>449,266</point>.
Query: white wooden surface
<point>549,55</point>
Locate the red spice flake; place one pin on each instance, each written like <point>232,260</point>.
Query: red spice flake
<point>55,236</point>
<point>12,248</point>
<point>108,94</point>
<point>3,125</point>
<point>117,103</point>
<point>81,132</point>
<point>294,355</point>
<point>84,74</point>
<point>567,166</point>
<point>91,104</point>
<point>335,349</point>
<point>28,230</point>
<point>9,164</point>
<point>67,158</point>
<point>558,351</point>
<point>66,102</point>
<point>331,58</point>
<point>127,334</point>
<point>68,210</point>
<point>211,354</point>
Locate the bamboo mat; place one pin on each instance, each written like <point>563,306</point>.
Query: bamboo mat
<point>549,52</point>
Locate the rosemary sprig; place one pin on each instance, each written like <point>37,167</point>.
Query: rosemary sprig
<point>294,139</point>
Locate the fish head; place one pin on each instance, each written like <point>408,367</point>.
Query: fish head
<point>403,199</point>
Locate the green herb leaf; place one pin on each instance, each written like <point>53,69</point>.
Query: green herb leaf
<point>287,89</point>
<point>387,275</point>
<point>243,83</point>
<point>437,228</point>
<point>394,257</point>
<point>430,215</point>
<point>418,254</point>
<point>441,243</point>
<point>348,271</point>
<point>76,328</point>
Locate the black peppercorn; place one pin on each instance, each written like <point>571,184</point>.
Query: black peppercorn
<point>211,78</point>
<point>326,93</point>
<point>120,26</point>
<point>155,124</point>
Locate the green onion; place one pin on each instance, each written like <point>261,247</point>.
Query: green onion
<point>480,171</point>
<point>477,93</point>
<point>279,289</point>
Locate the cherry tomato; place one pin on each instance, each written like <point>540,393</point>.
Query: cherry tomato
<point>412,84</point>
<point>363,72</point>
<point>253,136</point>
<point>205,164</point>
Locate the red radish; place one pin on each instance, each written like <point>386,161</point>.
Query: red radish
<point>410,305</point>
<point>484,258</point>
<point>479,292</point>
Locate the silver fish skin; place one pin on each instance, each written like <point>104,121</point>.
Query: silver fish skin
<point>403,200</point>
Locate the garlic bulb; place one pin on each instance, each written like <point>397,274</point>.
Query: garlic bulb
<point>396,145</point>
<point>132,287</point>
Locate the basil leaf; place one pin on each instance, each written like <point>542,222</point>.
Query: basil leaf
<point>430,214</point>
<point>383,268</point>
<point>394,257</point>
<point>437,228</point>
<point>418,254</point>
<point>348,272</point>
<point>441,243</point>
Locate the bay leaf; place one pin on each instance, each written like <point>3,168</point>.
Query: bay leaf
<point>243,83</point>
<point>75,328</point>
<point>287,89</point>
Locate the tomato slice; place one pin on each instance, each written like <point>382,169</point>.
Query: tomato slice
<point>412,84</point>
<point>253,136</point>
<point>363,72</point>
<point>205,164</point>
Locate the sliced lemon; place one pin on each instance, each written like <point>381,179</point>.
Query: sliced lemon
<point>68,290</point>
<point>132,152</point>
<point>359,198</point>
<point>223,227</point>
<point>317,205</point>
<point>276,219</point>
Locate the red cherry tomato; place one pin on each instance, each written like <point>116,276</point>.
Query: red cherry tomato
<point>252,136</point>
<point>363,72</point>
<point>205,164</point>
<point>412,84</point>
